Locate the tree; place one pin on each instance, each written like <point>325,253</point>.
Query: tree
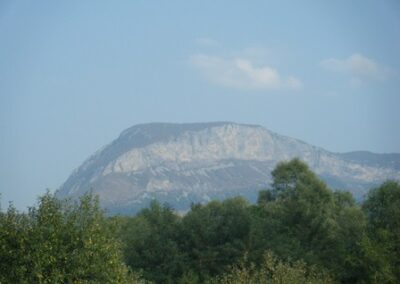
<point>215,235</point>
<point>59,242</point>
<point>301,218</point>
<point>150,240</point>
<point>348,260</point>
<point>273,271</point>
<point>287,176</point>
<point>382,208</point>
<point>301,213</point>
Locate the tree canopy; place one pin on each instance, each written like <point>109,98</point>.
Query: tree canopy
<point>59,242</point>
<point>299,231</point>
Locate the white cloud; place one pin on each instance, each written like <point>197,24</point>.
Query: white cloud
<point>257,77</point>
<point>358,66</point>
<point>241,73</point>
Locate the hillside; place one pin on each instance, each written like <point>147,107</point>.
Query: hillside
<point>188,163</point>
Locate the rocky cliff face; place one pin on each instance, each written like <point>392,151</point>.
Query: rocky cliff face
<point>185,163</point>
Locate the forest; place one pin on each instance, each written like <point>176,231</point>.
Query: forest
<point>299,231</point>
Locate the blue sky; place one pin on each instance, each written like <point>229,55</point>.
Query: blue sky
<point>74,74</point>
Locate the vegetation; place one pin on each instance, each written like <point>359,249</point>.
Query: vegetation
<point>59,243</point>
<point>273,271</point>
<point>299,231</point>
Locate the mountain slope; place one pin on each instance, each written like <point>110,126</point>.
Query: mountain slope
<point>185,163</point>
<point>375,160</point>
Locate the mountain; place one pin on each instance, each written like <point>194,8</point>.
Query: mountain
<point>188,163</point>
<point>373,160</point>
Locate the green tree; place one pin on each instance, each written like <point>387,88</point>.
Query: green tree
<point>301,214</point>
<point>348,261</point>
<point>151,246</point>
<point>382,208</point>
<point>301,218</point>
<point>59,242</point>
<point>215,235</point>
<point>273,271</point>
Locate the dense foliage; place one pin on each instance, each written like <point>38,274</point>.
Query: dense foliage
<point>382,209</point>
<point>302,224</point>
<point>300,231</point>
<point>273,271</point>
<point>58,242</point>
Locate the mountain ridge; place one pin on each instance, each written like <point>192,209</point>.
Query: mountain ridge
<point>196,162</point>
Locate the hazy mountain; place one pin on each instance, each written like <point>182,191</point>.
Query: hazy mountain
<point>375,160</point>
<point>185,163</point>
